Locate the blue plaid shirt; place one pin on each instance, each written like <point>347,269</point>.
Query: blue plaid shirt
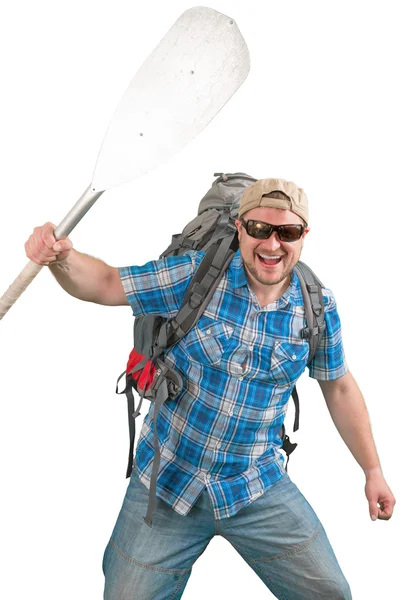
<point>239,365</point>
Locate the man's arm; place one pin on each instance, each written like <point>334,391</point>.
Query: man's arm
<point>89,279</point>
<point>349,413</point>
<point>80,275</point>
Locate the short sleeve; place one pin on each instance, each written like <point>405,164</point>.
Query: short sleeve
<point>159,286</point>
<point>329,361</point>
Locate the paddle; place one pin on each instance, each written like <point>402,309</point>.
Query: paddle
<point>182,85</point>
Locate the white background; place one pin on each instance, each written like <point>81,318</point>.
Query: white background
<point>325,105</point>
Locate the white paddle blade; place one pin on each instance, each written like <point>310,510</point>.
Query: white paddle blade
<point>183,84</point>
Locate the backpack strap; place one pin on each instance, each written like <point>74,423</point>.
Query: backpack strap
<point>197,296</point>
<point>166,381</point>
<point>287,445</point>
<point>224,224</point>
<point>311,288</point>
<point>161,394</point>
<point>132,414</point>
<point>163,373</point>
<point>200,290</point>
<point>179,241</point>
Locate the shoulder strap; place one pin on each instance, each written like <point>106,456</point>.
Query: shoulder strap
<point>311,287</point>
<point>200,290</point>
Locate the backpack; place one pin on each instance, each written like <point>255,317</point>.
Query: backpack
<point>212,231</point>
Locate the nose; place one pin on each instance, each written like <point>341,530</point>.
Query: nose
<point>272,243</point>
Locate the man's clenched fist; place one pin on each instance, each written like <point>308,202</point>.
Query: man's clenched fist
<point>42,247</point>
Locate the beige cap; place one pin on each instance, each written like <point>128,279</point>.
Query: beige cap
<point>253,197</point>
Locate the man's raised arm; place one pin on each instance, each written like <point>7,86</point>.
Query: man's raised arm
<point>80,275</point>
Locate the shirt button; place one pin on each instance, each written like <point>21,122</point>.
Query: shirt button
<point>231,412</point>
<point>208,331</point>
<point>219,444</point>
<point>294,356</point>
<point>240,378</point>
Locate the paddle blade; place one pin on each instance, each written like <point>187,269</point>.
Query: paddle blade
<point>183,84</point>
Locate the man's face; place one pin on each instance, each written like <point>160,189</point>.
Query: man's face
<point>269,262</point>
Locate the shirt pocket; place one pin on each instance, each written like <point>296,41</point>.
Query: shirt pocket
<point>207,341</point>
<point>288,361</point>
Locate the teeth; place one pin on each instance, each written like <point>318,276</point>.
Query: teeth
<point>267,256</point>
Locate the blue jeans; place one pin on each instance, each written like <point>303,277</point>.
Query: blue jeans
<point>278,535</point>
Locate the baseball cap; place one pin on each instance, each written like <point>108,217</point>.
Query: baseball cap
<point>253,197</point>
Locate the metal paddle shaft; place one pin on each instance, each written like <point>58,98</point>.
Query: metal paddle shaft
<point>32,269</point>
<point>183,84</point>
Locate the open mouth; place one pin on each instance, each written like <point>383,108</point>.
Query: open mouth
<point>269,261</point>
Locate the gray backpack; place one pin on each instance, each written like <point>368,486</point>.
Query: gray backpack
<point>212,231</point>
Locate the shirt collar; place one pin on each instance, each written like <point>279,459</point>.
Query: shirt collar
<point>239,279</point>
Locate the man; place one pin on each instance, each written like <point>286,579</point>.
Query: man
<point>221,472</point>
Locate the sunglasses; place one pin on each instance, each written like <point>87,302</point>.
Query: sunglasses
<point>262,231</point>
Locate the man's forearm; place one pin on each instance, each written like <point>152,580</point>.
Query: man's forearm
<point>349,414</point>
<point>84,277</point>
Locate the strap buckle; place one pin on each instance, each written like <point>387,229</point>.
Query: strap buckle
<point>288,446</point>
<point>197,295</point>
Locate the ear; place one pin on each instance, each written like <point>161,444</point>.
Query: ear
<point>239,228</point>
<point>304,234</point>
<point>238,224</point>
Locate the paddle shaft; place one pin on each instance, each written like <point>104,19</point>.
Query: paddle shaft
<point>31,270</point>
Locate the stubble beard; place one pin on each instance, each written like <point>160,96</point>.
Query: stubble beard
<point>251,269</point>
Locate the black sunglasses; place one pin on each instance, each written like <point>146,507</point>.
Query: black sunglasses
<point>262,231</point>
